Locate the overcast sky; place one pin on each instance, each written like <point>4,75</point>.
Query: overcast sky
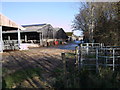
<point>58,14</point>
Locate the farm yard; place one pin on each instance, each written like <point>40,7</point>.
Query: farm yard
<point>45,68</point>
<point>38,55</point>
<point>31,68</point>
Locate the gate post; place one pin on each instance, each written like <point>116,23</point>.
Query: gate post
<point>96,59</point>
<point>87,49</point>
<point>113,59</point>
<point>77,57</point>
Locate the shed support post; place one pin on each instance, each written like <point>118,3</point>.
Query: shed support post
<point>1,50</point>
<point>1,40</point>
<point>9,38</point>
<point>25,38</point>
<point>19,38</point>
<point>40,38</point>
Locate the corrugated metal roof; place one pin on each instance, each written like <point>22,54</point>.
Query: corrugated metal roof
<point>14,31</point>
<point>31,28</point>
<point>34,27</point>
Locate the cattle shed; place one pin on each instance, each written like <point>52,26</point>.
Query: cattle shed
<point>33,34</point>
<point>46,30</point>
<point>8,25</point>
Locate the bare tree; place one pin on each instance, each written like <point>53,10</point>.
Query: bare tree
<point>99,21</point>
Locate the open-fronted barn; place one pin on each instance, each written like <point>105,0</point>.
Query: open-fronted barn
<point>45,31</point>
<point>28,35</point>
<point>35,34</point>
<point>7,25</point>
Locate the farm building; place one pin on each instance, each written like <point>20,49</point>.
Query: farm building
<point>33,35</point>
<point>37,34</point>
<point>45,30</point>
<point>7,25</point>
<point>48,33</point>
<point>60,34</point>
<point>69,34</point>
<point>14,36</point>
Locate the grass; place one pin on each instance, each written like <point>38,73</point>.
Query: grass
<point>91,56</point>
<point>105,78</point>
<point>70,55</point>
<point>19,76</point>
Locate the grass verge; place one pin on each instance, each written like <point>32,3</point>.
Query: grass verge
<point>19,76</point>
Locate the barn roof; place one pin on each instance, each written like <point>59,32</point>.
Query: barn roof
<point>14,31</point>
<point>7,23</point>
<point>57,29</point>
<point>35,27</point>
<point>30,28</point>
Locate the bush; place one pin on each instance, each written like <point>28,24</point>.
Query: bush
<point>105,78</point>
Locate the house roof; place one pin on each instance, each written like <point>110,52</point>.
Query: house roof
<point>7,23</point>
<point>69,33</point>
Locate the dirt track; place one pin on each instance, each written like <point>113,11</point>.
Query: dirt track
<point>46,58</point>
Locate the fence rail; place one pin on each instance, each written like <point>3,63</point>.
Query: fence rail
<point>98,55</point>
<point>10,45</point>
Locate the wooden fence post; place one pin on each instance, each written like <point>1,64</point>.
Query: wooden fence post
<point>76,50</point>
<point>79,58</point>
<point>76,54</point>
<point>64,68</point>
